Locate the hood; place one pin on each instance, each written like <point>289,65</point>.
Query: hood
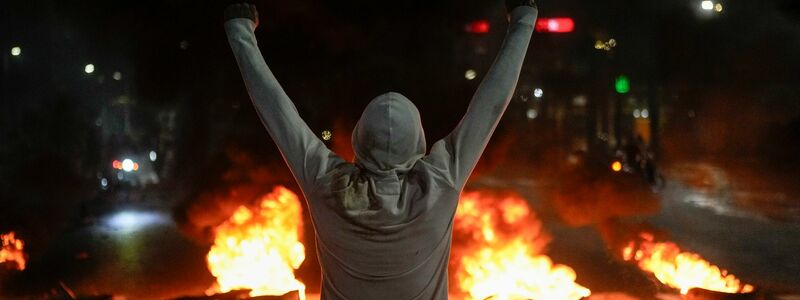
<point>389,135</point>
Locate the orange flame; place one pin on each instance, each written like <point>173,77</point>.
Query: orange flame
<point>680,270</point>
<point>616,166</point>
<point>496,252</point>
<point>12,250</point>
<point>259,249</point>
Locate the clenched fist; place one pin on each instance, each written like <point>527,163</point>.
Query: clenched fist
<point>241,10</point>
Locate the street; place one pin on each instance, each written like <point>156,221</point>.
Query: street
<point>141,254</point>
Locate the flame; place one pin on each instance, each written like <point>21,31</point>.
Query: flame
<point>12,250</point>
<point>678,269</point>
<point>259,249</point>
<point>497,249</point>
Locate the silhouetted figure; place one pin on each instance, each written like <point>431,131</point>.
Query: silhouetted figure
<point>384,222</point>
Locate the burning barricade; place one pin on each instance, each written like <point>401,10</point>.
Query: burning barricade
<point>11,252</point>
<point>497,252</point>
<point>259,248</point>
<point>680,269</point>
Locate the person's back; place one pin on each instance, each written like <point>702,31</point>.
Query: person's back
<point>383,222</point>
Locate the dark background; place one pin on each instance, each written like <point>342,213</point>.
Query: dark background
<point>723,88</point>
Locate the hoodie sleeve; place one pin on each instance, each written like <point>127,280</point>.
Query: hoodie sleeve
<point>459,152</point>
<point>307,157</point>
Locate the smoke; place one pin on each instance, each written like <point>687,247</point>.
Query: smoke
<point>242,183</point>
<point>587,196</point>
<point>497,153</point>
<point>341,143</point>
<point>617,233</point>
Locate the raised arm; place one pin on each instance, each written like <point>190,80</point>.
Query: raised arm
<point>306,155</point>
<point>460,151</point>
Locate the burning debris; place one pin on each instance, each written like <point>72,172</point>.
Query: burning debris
<point>679,269</point>
<point>496,253</point>
<point>259,248</point>
<point>12,251</point>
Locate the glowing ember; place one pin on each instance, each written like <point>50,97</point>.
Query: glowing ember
<point>11,252</point>
<point>680,270</point>
<point>496,252</point>
<point>259,248</point>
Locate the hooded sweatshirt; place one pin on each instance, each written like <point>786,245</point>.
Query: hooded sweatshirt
<point>384,222</point>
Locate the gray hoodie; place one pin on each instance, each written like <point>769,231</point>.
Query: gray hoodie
<point>384,222</point>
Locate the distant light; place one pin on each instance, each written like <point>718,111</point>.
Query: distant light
<point>117,76</point>
<point>538,93</point>
<point>645,113</point>
<point>580,100</point>
<point>470,74</point>
<point>134,220</point>
<point>718,7</point>
<point>104,182</point>
<point>616,166</point>
<point>127,165</point>
<point>637,113</point>
<point>622,84</point>
<point>124,220</point>
<point>606,46</point>
<point>89,69</point>
<point>479,26</point>
<point>555,25</point>
<point>16,51</point>
<point>120,175</point>
<point>153,155</point>
<point>184,44</point>
<point>531,114</point>
<point>707,5</point>
<point>327,135</point>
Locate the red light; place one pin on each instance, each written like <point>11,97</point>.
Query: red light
<point>557,25</point>
<point>135,167</point>
<point>116,164</point>
<point>480,26</point>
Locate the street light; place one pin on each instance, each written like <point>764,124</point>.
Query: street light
<point>707,5</point>
<point>538,93</point>
<point>470,74</point>
<point>327,135</point>
<point>89,69</point>
<point>603,45</point>
<point>531,114</point>
<point>16,51</point>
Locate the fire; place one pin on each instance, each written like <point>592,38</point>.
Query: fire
<point>11,252</point>
<point>680,270</point>
<point>497,252</point>
<point>259,248</point>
